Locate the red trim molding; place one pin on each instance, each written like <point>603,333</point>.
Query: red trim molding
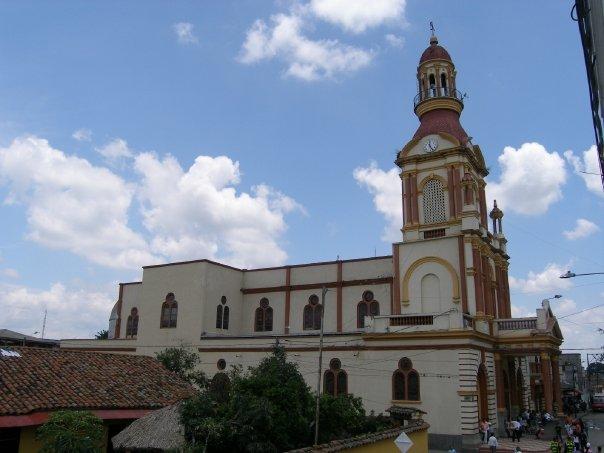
<point>288,274</point>
<point>38,418</point>
<point>339,298</point>
<point>336,284</point>
<point>462,274</point>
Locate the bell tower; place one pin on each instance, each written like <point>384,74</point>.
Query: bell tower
<point>442,171</point>
<point>448,260</point>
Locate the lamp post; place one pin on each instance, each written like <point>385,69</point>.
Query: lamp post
<point>318,396</point>
<point>570,274</point>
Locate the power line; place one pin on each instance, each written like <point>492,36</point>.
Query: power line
<point>581,311</point>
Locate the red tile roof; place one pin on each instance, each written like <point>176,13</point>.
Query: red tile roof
<point>44,379</point>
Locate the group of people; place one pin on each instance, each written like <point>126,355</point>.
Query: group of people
<point>572,437</point>
<point>575,437</point>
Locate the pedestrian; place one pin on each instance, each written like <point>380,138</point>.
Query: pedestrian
<point>558,430</point>
<point>493,443</point>
<point>518,450</point>
<point>588,448</point>
<point>569,445</point>
<point>554,445</point>
<point>517,430</point>
<point>483,428</point>
<point>509,429</point>
<point>451,450</point>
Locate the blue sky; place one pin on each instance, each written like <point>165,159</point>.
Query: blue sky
<point>138,132</point>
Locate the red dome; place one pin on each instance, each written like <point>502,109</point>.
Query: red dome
<point>435,52</point>
<point>441,120</point>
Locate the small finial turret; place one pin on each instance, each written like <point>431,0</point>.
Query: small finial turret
<point>496,214</point>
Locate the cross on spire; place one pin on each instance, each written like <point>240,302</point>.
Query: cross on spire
<point>432,29</point>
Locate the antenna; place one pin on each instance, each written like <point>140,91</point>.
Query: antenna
<point>44,323</point>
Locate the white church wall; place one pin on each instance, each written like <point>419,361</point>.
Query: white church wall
<point>185,281</point>
<point>363,269</point>
<point>352,295</point>
<point>221,281</point>
<point>264,278</point>
<point>313,274</point>
<point>131,298</point>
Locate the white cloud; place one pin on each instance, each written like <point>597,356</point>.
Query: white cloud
<point>184,33</point>
<point>85,209</point>
<point>71,204</point>
<point>358,15</point>
<point>385,186</point>
<point>72,312</point>
<point>542,282</point>
<point>304,58</point>
<point>589,164</point>
<point>115,150</point>
<point>395,41</point>
<point>530,169</point>
<point>198,212</point>
<point>583,228</point>
<point>10,273</point>
<point>580,330</point>
<point>82,135</point>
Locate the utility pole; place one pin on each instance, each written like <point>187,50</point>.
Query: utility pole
<point>44,322</point>
<point>318,396</point>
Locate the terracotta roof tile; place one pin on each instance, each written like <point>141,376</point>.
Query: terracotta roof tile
<point>50,379</point>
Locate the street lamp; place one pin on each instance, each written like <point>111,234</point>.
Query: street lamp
<point>570,274</point>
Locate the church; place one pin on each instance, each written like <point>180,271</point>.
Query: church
<point>428,327</point>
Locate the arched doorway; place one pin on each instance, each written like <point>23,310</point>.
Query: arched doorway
<point>481,386</point>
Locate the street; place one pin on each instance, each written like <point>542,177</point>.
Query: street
<point>595,422</point>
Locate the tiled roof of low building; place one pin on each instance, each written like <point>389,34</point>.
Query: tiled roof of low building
<point>39,379</point>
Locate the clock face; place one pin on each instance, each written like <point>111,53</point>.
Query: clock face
<point>431,145</point>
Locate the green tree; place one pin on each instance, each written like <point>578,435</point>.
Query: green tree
<point>71,431</point>
<point>183,362</point>
<point>269,409</point>
<point>102,335</point>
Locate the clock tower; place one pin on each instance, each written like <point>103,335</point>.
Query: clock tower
<point>448,259</point>
<point>442,171</point>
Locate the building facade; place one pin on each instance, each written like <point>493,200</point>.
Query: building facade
<point>427,327</point>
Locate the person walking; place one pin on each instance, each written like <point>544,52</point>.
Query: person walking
<point>569,445</point>
<point>516,430</point>
<point>554,445</point>
<point>493,444</point>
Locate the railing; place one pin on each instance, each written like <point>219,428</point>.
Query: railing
<point>412,320</point>
<point>437,92</point>
<point>517,324</point>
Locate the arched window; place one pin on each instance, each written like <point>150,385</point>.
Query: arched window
<point>222,314</point>
<point>169,312</point>
<point>443,84</point>
<point>312,314</point>
<point>132,323</point>
<point>434,202</point>
<point>335,380</point>
<point>367,307</point>
<point>264,317</point>
<point>405,382</point>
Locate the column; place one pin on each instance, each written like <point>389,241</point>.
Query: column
<point>546,379</point>
<point>501,409</point>
<point>406,200</point>
<point>478,293</point>
<point>451,190</point>
<point>556,384</point>
<point>288,273</point>
<point>339,298</point>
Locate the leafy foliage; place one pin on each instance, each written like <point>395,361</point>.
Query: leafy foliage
<point>269,409</point>
<point>102,335</point>
<point>71,431</point>
<point>183,362</point>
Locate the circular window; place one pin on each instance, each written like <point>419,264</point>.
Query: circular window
<point>368,296</point>
<point>405,364</point>
<point>335,364</point>
<point>313,300</point>
<point>221,364</point>
<point>223,300</point>
<point>264,302</point>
